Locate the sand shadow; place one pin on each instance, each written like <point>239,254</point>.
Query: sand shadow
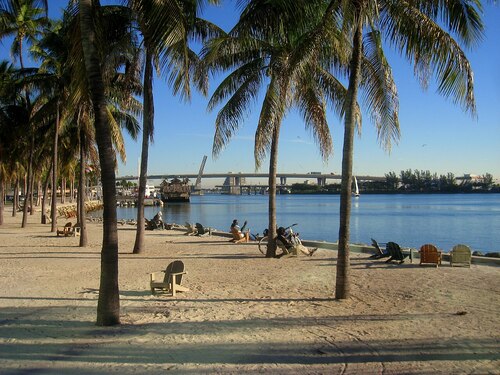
<point>78,343</point>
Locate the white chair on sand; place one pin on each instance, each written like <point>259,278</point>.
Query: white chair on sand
<point>460,255</point>
<point>169,281</point>
<point>190,229</point>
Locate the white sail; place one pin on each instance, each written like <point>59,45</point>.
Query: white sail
<point>356,189</point>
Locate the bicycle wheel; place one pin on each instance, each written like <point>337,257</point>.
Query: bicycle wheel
<point>263,245</point>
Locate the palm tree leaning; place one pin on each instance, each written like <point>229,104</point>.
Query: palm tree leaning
<point>167,28</point>
<point>414,30</point>
<point>283,50</point>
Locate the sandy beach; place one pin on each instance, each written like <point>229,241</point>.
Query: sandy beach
<point>243,314</point>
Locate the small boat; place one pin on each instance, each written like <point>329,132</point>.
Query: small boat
<point>356,188</point>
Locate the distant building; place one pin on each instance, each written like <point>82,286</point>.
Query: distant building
<point>471,178</point>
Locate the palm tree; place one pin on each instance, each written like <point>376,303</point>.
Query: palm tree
<point>120,85</point>
<point>6,92</point>
<point>23,19</point>
<point>271,45</point>
<point>427,33</point>
<point>52,51</point>
<point>167,28</point>
<point>108,307</point>
<point>17,122</point>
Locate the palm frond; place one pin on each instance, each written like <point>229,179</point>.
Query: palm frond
<point>421,40</point>
<point>271,114</point>
<point>380,91</point>
<point>312,105</point>
<point>248,75</point>
<point>116,135</point>
<point>232,113</point>
<point>461,17</point>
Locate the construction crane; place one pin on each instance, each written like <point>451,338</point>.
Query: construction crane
<point>197,185</point>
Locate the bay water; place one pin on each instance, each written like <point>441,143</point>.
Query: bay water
<point>408,219</point>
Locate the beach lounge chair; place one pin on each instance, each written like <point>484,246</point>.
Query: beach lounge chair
<point>169,280</point>
<point>239,237</point>
<point>379,253</point>
<point>395,253</point>
<point>460,255</point>
<point>429,254</point>
<point>202,231</point>
<point>190,229</point>
<point>66,231</point>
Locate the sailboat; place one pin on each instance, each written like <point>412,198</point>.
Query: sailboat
<point>356,188</point>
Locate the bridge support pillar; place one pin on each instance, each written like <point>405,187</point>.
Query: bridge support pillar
<point>233,185</point>
<point>321,181</point>
<point>236,188</point>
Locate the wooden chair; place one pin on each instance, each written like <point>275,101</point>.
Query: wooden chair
<point>379,253</point>
<point>395,253</point>
<point>169,281</point>
<point>66,231</point>
<point>460,255</point>
<point>77,229</point>
<point>190,229</point>
<point>429,254</point>
<point>202,231</point>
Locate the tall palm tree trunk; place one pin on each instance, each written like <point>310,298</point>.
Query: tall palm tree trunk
<point>72,188</point>
<point>2,197</point>
<point>108,306</point>
<point>53,202</point>
<point>32,193</point>
<point>29,184</point>
<point>45,196</point>
<point>63,190</point>
<point>39,193</point>
<point>343,285</point>
<point>82,220</point>
<point>15,201</point>
<point>273,167</point>
<point>146,136</point>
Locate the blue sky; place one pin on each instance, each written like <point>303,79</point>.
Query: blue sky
<point>436,135</point>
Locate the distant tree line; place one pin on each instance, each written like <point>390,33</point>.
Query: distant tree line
<point>411,181</point>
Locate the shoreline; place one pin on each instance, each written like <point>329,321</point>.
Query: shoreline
<point>243,313</point>
<point>68,211</point>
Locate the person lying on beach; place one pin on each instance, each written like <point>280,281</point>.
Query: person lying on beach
<point>294,247</point>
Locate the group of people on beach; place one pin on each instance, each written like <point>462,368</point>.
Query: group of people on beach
<point>288,244</point>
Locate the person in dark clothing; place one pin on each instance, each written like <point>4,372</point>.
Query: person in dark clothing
<point>292,247</point>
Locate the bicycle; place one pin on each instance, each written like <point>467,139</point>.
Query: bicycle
<point>289,234</point>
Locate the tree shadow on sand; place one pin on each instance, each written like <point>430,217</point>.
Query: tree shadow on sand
<point>28,339</point>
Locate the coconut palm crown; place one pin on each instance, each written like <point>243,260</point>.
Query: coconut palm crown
<point>290,56</point>
<point>430,35</point>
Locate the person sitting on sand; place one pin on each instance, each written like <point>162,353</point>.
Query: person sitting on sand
<point>158,221</point>
<point>239,234</point>
<point>292,247</point>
